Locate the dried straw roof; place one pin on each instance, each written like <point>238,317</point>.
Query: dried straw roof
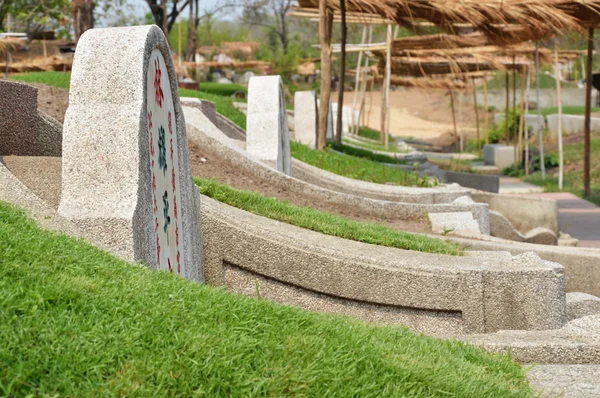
<point>540,16</point>
<point>10,44</point>
<point>428,66</point>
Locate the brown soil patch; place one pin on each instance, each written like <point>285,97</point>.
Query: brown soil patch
<point>206,165</point>
<point>53,101</point>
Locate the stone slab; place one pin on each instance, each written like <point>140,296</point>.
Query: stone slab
<point>18,119</point>
<point>488,183</point>
<point>126,177</point>
<point>459,223</point>
<point>306,117</point>
<point>267,134</point>
<point>499,155</point>
<point>582,304</point>
<point>571,124</point>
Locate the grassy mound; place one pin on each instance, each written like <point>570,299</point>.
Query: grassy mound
<point>223,104</point>
<point>221,88</point>
<point>315,220</point>
<point>365,154</point>
<point>75,321</point>
<point>357,168</point>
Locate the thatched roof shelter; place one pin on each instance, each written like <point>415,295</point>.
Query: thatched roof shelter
<point>485,15</point>
<point>432,65</point>
<point>10,45</point>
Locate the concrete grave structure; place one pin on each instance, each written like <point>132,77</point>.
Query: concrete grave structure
<point>126,178</point>
<point>306,117</point>
<point>267,134</point>
<point>25,130</point>
<point>499,155</point>
<point>571,124</point>
<point>330,136</point>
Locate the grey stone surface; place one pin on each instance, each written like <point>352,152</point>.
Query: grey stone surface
<point>565,381</point>
<point>524,212</point>
<point>306,117</point>
<point>577,342</point>
<point>18,118</point>
<point>571,124</point>
<point>326,179</point>
<point>501,227</point>
<point>491,294</point>
<point>41,174</point>
<point>49,136</point>
<point>16,193</point>
<point>488,183</point>
<point>330,133</point>
<point>108,168</point>
<point>205,134</point>
<point>582,265</point>
<point>206,107</point>
<point>499,155</point>
<point>267,134</point>
<point>582,304</point>
<point>459,223</point>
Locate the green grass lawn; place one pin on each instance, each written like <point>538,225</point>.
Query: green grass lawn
<point>224,89</point>
<point>365,153</point>
<point>371,146</point>
<point>357,168</point>
<point>319,221</point>
<point>76,321</point>
<point>223,104</point>
<point>567,110</point>
<point>573,180</point>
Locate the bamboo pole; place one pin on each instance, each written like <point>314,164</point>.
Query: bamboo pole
<point>588,104</point>
<point>476,116</point>
<point>325,24</point>
<point>388,74</point>
<point>340,110</point>
<point>357,79</point>
<point>514,118</point>
<point>454,118</point>
<point>485,105</point>
<point>519,156</point>
<point>559,100</point>
<point>528,84</point>
<point>539,109</point>
<point>366,82</point>
<point>507,106</point>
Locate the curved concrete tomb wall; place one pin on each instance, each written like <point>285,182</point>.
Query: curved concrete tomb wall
<point>432,293</point>
<point>26,131</point>
<point>305,106</point>
<point>205,134</point>
<point>267,134</point>
<point>326,179</point>
<point>525,213</point>
<point>126,177</point>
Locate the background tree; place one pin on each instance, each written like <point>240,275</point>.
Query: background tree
<point>273,16</point>
<point>161,14</point>
<point>33,15</point>
<point>83,16</point>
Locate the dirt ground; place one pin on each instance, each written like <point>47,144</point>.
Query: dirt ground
<point>53,101</point>
<point>206,165</point>
<point>421,114</point>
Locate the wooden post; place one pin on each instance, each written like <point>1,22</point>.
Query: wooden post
<point>514,84</point>
<point>539,109</point>
<point>388,75</point>
<point>476,116</point>
<point>588,104</point>
<point>384,85</point>
<point>340,110</point>
<point>454,118</point>
<point>526,123</point>
<point>365,82</point>
<point>357,80</point>
<point>325,23</point>
<point>507,106</point>
<point>485,106</point>
<point>519,156</point>
<point>559,100</point>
